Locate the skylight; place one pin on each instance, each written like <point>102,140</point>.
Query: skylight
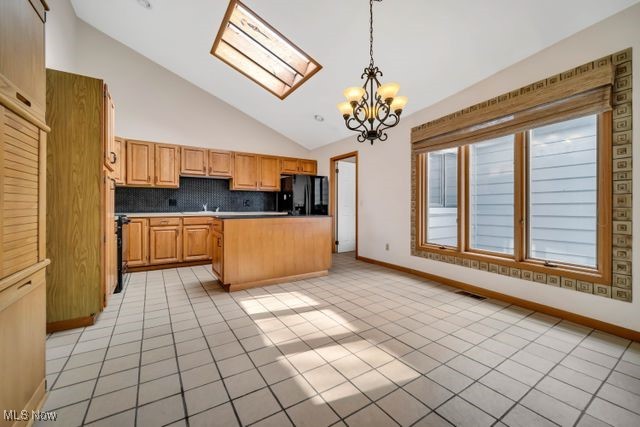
<point>253,47</point>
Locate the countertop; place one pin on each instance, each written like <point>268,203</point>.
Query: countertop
<point>221,215</point>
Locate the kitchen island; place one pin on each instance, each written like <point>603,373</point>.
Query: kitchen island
<point>263,250</point>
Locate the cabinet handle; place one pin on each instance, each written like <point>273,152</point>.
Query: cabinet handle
<point>22,99</point>
<point>25,284</point>
<point>114,157</point>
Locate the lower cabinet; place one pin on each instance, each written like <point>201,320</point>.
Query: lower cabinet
<point>137,241</point>
<point>165,245</point>
<point>23,320</point>
<point>196,242</point>
<point>217,256</point>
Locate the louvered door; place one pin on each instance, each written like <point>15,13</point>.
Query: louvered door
<point>20,182</point>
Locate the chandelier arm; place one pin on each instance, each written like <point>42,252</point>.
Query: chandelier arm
<point>349,125</point>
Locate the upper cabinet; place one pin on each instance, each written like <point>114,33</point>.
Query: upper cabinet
<point>22,66</point>
<point>220,163</point>
<point>119,167</point>
<point>290,166</point>
<point>167,166</point>
<point>268,173</point>
<point>110,157</point>
<point>245,176</point>
<point>193,161</point>
<point>140,159</point>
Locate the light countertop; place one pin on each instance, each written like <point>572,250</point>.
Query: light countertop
<point>199,214</point>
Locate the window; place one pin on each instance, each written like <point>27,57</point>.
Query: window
<point>442,193</point>
<point>249,44</point>
<point>491,195</point>
<point>529,199</point>
<point>563,201</point>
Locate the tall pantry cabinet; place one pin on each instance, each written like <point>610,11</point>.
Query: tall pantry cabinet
<point>80,202</point>
<point>23,137</point>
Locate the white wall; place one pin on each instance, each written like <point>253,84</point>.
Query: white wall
<point>151,102</point>
<point>385,182</point>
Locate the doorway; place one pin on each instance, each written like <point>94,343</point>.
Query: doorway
<point>344,202</point>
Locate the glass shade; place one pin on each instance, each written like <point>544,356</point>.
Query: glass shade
<point>388,90</point>
<point>354,94</point>
<point>345,108</point>
<point>398,103</point>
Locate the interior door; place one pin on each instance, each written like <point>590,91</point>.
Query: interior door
<point>346,206</point>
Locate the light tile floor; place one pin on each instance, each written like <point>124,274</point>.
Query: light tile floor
<point>364,346</point>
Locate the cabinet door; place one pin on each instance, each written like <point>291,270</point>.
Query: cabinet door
<point>196,242</point>
<point>245,172</point>
<point>269,170</point>
<point>119,169</point>
<point>193,161</point>
<point>220,163</point>
<point>167,166</point>
<point>108,142</point>
<point>308,167</point>
<point>217,256</point>
<point>22,62</point>
<point>289,166</point>
<point>136,239</point>
<point>165,244</point>
<point>109,260</point>
<point>140,157</point>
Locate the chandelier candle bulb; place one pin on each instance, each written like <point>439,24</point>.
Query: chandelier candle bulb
<point>354,94</point>
<point>345,109</point>
<point>398,104</point>
<point>388,91</point>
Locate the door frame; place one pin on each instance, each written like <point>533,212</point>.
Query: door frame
<point>332,196</point>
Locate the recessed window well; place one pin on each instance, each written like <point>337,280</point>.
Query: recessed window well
<point>253,47</point>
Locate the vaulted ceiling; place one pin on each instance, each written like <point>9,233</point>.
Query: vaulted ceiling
<point>433,48</point>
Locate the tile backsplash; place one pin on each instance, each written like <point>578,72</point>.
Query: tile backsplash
<point>192,194</point>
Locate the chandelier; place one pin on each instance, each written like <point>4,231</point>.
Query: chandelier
<point>374,107</point>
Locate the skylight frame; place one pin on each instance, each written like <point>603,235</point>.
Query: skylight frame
<point>246,63</point>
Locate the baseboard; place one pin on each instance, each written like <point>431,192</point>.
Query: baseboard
<point>164,266</point>
<point>552,311</point>
<point>63,325</point>
<point>265,282</point>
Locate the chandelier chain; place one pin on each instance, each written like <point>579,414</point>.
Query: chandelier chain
<point>371,31</point>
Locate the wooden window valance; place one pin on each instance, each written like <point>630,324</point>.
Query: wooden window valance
<point>583,90</point>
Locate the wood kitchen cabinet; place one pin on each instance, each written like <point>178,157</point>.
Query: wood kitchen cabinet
<point>217,256</point>
<point>108,142</point>
<point>245,173</point>
<point>268,173</point>
<point>136,236</point>
<point>119,167</point>
<point>165,241</point>
<point>196,241</point>
<point>291,166</point>
<point>167,166</point>
<point>140,159</point>
<point>110,254</point>
<point>220,163</point>
<point>194,161</point>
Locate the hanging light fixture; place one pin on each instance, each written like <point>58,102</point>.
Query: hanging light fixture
<point>374,107</point>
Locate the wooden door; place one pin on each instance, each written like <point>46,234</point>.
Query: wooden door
<point>193,161</point>
<point>196,242</point>
<point>136,235</point>
<point>108,143</point>
<point>167,166</point>
<point>269,172</point>
<point>140,159</point>
<point>245,172</point>
<point>220,163</point>
<point>308,167</point>
<point>165,244</point>
<point>119,167</point>
<point>289,166</point>
<point>217,256</point>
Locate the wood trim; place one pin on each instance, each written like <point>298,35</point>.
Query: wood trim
<point>463,198</point>
<point>42,197</point>
<point>164,266</point>
<point>552,311</point>
<point>257,283</point>
<point>520,189</point>
<point>78,322</point>
<point>605,195</point>
<point>221,31</point>
<point>22,274</point>
<point>332,195</point>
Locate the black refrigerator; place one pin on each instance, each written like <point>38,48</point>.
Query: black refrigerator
<point>304,195</point>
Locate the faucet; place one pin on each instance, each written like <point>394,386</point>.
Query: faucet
<point>204,207</point>
<point>218,209</point>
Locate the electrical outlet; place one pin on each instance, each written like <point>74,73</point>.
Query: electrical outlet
<point>173,202</point>
<point>246,203</point>
<point>386,247</point>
